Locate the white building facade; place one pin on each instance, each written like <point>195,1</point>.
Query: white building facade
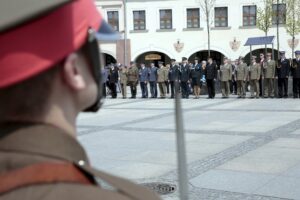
<point>164,29</point>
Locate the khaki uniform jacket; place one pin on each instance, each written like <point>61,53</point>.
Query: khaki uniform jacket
<point>225,72</point>
<point>162,75</point>
<point>269,69</point>
<point>123,76</point>
<point>24,144</point>
<point>241,72</point>
<point>133,74</point>
<point>254,71</point>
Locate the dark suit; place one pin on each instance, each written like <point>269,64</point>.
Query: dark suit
<point>173,78</point>
<point>282,72</point>
<point>211,74</point>
<point>113,80</point>
<point>296,78</point>
<point>184,79</point>
<point>144,78</point>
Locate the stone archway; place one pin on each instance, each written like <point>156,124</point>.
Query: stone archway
<point>203,55</point>
<point>153,56</point>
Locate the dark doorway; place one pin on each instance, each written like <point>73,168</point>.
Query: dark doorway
<point>153,56</point>
<point>259,51</point>
<point>203,55</point>
<point>108,59</point>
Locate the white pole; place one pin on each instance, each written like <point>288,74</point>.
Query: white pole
<point>125,32</point>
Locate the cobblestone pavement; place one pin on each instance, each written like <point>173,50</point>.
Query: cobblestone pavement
<point>236,148</point>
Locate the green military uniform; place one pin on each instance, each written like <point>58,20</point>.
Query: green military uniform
<point>241,75</point>
<point>269,74</point>
<point>225,76</point>
<point>133,77</point>
<point>123,80</point>
<point>162,77</point>
<point>25,145</point>
<point>254,74</point>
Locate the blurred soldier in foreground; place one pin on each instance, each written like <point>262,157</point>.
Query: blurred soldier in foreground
<point>225,76</point>
<point>49,73</point>
<point>296,75</point>
<point>211,73</point>
<point>241,72</point>
<point>133,77</point>
<point>123,81</point>
<point>254,75</point>
<point>162,77</point>
<point>269,75</point>
<point>282,74</point>
<point>173,76</point>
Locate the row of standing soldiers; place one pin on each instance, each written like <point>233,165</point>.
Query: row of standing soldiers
<point>259,74</point>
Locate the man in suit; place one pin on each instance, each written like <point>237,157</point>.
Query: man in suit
<point>282,74</point>
<point>262,64</point>
<point>225,76</point>
<point>144,79</point>
<point>254,72</point>
<point>240,77</point>
<point>184,78</point>
<point>269,75</point>
<point>211,76</point>
<point>162,77</point>
<point>296,75</point>
<point>113,79</point>
<point>133,77</point>
<point>173,76</point>
<point>153,80</point>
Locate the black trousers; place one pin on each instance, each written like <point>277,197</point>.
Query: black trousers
<point>172,84</point>
<point>185,89</point>
<point>210,83</point>
<point>153,89</point>
<point>168,87</point>
<point>104,90</point>
<point>282,87</point>
<point>132,85</point>
<point>260,87</point>
<point>144,89</point>
<point>296,87</point>
<point>113,89</point>
<point>233,86</point>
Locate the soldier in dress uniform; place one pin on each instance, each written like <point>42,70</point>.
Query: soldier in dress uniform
<point>162,77</point>
<point>113,78</point>
<point>225,76</point>
<point>296,75</point>
<point>196,75</point>
<point>50,55</point>
<point>123,80</point>
<point>241,73</point>
<point>133,77</point>
<point>173,76</point>
<point>144,79</point>
<point>269,75</point>
<point>153,80</point>
<point>184,78</point>
<point>254,76</point>
<point>282,74</point>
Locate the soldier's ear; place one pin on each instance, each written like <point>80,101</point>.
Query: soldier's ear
<point>72,74</point>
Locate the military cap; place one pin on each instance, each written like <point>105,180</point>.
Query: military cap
<point>173,60</point>
<point>297,52</point>
<point>241,58</point>
<point>30,46</point>
<point>184,58</point>
<point>160,62</point>
<point>282,52</point>
<point>132,63</point>
<point>196,58</point>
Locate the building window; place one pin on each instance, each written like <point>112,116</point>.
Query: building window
<point>113,19</point>
<point>281,9</point>
<point>193,18</point>
<point>249,15</point>
<point>139,20</point>
<point>221,17</point>
<point>165,19</point>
